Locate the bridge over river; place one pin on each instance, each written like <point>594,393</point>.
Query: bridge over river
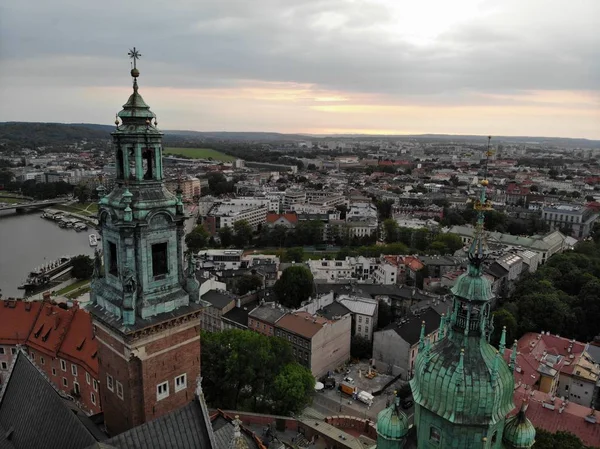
<point>22,207</point>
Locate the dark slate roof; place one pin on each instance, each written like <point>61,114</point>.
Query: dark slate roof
<point>224,434</point>
<point>4,443</point>
<point>410,330</point>
<point>333,310</point>
<point>440,261</point>
<point>268,312</point>
<point>37,413</point>
<point>218,299</point>
<point>237,314</point>
<point>496,270</point>
<point>184,428</point>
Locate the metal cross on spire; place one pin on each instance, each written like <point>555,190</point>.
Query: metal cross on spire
<point>135,55</point>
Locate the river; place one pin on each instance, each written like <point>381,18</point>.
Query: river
<point>28,241</point>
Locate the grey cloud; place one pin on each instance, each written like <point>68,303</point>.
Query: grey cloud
<point>200,44</point>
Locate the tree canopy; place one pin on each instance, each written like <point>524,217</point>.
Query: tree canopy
<point>83,267</point>
<point>197,239</point>
<point>562,296</point>
<point>294,286</point>
<point>245,370</point>
<point>558,440</point>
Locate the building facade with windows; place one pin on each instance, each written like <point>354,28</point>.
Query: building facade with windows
<point>573,219</point>
<point>59,341</point>
<point>318,343</point>
<point>145,302</point>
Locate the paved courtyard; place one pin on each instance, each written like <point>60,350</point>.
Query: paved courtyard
<point>330,402</point>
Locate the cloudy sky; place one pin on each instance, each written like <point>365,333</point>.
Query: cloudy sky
<point>499,67</point>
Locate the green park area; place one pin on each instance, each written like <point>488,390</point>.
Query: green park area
<point>200,153</point>
<point>73,287</point>
<point>89,209</point>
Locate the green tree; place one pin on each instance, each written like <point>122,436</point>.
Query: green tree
<point>294,286</point>
<point>502,317</point>
<point>295,254</point>
<point>248,283</point>
<point>197,239</point>
<point>241,368</point>
<point>360,347</point>
<point>83,267</point>
<point>558,440</point>
<point>293,389</point>
<point>309,232</point>
<point>421,239</point>
<point>82,192</point>
<point>384,208</point>
<point>390,230</point>
<point>242,233</point>
<point>278,235</point>
<point>226,236</point>
<point>452,242</point>
<point>384,314</point>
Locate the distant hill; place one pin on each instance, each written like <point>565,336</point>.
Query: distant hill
<point>34,134</point>
<point>38,134</point>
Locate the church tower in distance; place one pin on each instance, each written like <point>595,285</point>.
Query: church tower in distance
<point>145,305</point>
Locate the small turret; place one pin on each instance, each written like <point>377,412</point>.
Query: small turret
<point>392,426</point>
<point>519,433</point>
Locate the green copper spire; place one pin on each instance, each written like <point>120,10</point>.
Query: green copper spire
<point>502,345</point>
<point>462,388</point>
<point>422,337</point>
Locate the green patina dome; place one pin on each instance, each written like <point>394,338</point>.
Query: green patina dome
<point>463,381</point>
<point>518,431</point>
<point>392,423</point>
<point>472,286</point>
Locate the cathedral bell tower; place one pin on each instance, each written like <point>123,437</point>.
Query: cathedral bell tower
<point>462,387</point>
<point>145,305</point>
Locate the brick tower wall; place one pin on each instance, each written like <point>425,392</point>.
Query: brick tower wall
<point>139,366</point>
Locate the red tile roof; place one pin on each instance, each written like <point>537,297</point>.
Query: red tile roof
<point>291,217</point>
<point>50,329</point>
<point>79,344</point>
<point>16,320</point>
<point>572,418</point>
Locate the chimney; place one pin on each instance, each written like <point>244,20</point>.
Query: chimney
<point>238,303</point>
<point>46,296</point>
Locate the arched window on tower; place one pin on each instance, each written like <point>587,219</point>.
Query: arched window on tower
<point>120,164</point>
<point>148,163</point>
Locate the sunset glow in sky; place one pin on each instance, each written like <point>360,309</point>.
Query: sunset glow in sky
<point>509,67</point>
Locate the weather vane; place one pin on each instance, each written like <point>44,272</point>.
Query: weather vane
<point>135,55</point>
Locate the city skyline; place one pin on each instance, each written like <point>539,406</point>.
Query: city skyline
<point>323,67</point>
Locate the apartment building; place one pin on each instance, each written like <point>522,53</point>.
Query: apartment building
<point>395,348</point>
<point>318,343</point>
<point>190,187</point>
<point>227,213</point>
<point>577,219</point>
